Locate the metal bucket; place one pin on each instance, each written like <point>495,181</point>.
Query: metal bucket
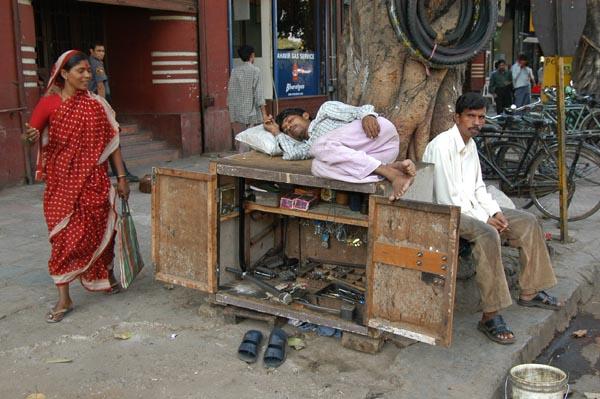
<point>538,381</point>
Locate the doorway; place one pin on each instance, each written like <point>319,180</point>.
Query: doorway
<point>62,25</point>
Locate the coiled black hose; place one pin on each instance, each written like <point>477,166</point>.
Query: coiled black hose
<point>475,27</point>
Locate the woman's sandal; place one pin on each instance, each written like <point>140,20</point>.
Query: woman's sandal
<point>114,289</point>
<point>57,316</point>
<point>494,327</point>
<point>542,300</point>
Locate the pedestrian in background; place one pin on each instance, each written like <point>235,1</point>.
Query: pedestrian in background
<point>79,134</point>
<point>501,86</point>
<point>99,85</point>
<point>245,93</point>
<point>522,80</point>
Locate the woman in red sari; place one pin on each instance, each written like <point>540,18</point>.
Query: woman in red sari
<point>79,133</point>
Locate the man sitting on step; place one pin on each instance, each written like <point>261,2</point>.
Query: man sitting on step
<point>457,181</point>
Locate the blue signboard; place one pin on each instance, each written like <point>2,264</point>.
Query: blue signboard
<point>297,73</point>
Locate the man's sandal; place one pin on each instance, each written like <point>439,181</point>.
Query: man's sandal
<point>494,327</point>
<point>542,300</point>
<point>248,350</point>
<point>56,317</point>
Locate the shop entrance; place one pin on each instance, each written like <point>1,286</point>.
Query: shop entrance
<point>62,25</point>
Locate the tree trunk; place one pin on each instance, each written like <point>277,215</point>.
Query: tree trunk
<point>586,63</point>
<point>375,68</point>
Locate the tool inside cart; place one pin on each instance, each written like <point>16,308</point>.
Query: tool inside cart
<point>330,287</point>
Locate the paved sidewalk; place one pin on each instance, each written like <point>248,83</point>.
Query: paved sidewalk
<point>181,347</point>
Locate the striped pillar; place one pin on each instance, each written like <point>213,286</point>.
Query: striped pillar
<point>174,63</point>
<point>174,67</point>
<point>478,72</point>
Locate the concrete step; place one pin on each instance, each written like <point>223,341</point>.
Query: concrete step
<point>137,137</point>
<point>141,147</point>
<point>128,128</point>
<point>143,163</point>
<point>141,152</point>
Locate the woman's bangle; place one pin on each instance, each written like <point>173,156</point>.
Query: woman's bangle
<point>119,177</point>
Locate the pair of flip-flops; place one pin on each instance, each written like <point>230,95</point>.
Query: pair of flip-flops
<point>274,353</point>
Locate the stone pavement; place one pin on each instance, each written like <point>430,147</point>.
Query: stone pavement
<point>180,346</point>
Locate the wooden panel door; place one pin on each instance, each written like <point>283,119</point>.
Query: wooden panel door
<point>411,269</point>
<point>184,228</point>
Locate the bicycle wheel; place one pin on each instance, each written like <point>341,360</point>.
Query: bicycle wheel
<point>592,123</point>
<point>507,157</point>
<point>583,182</point>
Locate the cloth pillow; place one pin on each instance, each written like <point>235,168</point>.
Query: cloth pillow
<point>259,139</point>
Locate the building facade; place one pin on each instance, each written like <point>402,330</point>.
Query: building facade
<point>168,63</point>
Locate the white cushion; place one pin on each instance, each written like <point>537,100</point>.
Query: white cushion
<point>259,139</point>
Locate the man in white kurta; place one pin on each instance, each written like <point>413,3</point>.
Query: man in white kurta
<point>458,181</point>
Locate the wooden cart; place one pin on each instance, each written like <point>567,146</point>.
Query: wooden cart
<point>202,223</point>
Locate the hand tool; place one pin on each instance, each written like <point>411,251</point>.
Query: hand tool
<point>283,297</point>
<point>347,285</point>
<point>345,311</point>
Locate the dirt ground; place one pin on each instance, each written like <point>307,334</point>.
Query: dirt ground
<point>177,345</point>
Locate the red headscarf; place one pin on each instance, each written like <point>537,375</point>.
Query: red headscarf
<point>54,87</point>
<point>59,65</point>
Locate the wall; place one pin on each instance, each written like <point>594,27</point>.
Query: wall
<point>15,97</point>
<point>214,71</point>
<point>154,73</point>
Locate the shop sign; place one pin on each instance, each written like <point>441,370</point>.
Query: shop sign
<point>297,74</point>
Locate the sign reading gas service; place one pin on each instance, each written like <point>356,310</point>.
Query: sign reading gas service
<point>297,74</point>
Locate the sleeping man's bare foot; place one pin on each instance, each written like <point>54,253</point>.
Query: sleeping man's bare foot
<point>407,167</point>
<point>400,174</point>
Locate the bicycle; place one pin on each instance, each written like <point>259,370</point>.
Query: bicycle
<point>530,117</point>
<point>532,169</point>
<point>507,153</point>
<point>512,118</point>
<point>581,113</point>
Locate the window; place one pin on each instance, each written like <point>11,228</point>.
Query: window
<point>298,62</point>
<point>245,26</point>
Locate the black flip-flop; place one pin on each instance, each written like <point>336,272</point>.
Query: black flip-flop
<point>275,352</point>
<point>248,350</point>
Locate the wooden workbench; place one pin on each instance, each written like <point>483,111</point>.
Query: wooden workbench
<point>410,253</point>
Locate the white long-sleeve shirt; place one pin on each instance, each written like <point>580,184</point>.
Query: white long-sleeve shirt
<point>521,76</point>
<point>457,175</point>
<point>331,115</point>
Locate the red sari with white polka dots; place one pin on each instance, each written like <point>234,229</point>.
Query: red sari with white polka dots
<point>79,197</point>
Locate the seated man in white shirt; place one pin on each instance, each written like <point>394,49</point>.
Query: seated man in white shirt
<point>458,181</point>
<point>348,143</point>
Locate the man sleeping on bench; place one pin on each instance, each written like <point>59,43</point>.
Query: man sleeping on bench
<point>352,144</point>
